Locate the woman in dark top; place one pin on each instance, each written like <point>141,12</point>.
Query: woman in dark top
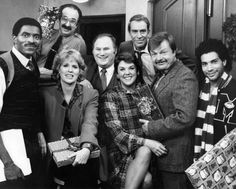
<point>71,110</point>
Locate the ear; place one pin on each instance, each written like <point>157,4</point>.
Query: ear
<point>224,63</point>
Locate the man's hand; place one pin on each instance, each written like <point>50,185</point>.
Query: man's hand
<point>86,83</point>
<point>45,71</point>
<point>12,172</point>
<point>156,147</point>
<point>81,156</point>
<point>144,125</point>
<point>42,143</point>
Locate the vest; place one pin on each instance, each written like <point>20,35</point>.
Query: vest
<point>21,99</point>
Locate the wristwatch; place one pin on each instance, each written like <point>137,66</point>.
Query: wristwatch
<point>88,145</point>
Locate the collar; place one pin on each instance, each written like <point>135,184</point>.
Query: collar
<point>145,50</point>
<point>77,90</point>
<point>20,56</point>
<point>110,70</point>
<point>138,85</point>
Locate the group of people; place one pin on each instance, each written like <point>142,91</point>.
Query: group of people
<point>94,97</point>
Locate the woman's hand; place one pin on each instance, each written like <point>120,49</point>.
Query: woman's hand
<point>156,147</point>
<point>81,156</point>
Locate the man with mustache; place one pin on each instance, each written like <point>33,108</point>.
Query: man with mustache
<point>176,90</point>
<point>19,102</point>
<point>216,114</point>
<point>139,30</point>
<point>66,37</point>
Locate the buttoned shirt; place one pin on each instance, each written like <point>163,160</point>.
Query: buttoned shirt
<point>109,73</point>
<point>147,64</point>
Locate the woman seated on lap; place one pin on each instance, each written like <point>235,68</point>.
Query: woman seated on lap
<point>71,110</point>
<point>129,154</point>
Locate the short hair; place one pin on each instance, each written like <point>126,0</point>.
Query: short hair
<point>138,18</point>
<point>71,53</point>
<point>128,58</point>
<point>214,45</point>
<point>73,6</point>
<point>158,38</point>
<point>113,39</point>
<point>23,22</point>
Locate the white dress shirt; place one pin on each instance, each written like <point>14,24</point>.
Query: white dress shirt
<point>109,73</point>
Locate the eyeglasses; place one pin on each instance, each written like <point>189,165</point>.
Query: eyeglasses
<point>72,21</point>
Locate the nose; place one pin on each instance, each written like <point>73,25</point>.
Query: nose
<point>102,52</point>
<point>209,67</point>
<point>139,35</point>
<point>70,68</point>
<point>31,39</point>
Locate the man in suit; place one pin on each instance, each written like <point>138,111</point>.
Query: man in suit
<point>176,90</point>
<point>100,71</point>
<point>139,29</point>
<point>19,102</point>
<point>66,37</point>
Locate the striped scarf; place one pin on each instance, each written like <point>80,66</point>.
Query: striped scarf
<point>204,130</point>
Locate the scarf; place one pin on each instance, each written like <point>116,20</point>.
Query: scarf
<point>204,127</point>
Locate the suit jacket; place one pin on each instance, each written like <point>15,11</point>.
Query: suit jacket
<point>93,76</point>
<point>83,116</point>
<point>177,95</point>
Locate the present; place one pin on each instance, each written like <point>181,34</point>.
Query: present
<point>213,169</point>
<point>147,104</point>
<point>62,149</point>
<point>14,143</point>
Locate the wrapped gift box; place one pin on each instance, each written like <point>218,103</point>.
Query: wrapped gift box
<point>212,170</point>
<point>14,143</point>
<point>61,149</point>
<point>147,104</point>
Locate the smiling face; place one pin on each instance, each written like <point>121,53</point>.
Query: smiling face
<point>127,74</point>
<point>104,52</point>
<point>139,34</point>
<point>68,21</point>
<point>163,56</point>
<point>212,66</point>
<point>69,71</point>
<point>28,40</point>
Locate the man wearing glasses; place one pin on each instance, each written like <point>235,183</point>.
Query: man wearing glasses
<point>65,37</point>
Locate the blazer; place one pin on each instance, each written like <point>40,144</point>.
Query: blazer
<point>177,95</point>
<point>83,116</point>
<point>93,76</point>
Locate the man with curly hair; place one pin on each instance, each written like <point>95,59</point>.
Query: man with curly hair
<point>217,100</point>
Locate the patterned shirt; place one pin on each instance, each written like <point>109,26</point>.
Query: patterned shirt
<point>124,132</point>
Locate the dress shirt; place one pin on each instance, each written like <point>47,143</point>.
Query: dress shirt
<point>109,73</point>
<point>24,61</point>
<point>146,62</point>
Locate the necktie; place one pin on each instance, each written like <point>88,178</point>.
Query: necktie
<point>30,65</point>
<point>52,53</point>
<point>104,78</point>
<point>139,58</point>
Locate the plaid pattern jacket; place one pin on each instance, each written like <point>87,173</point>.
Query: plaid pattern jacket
<point>124,132</point>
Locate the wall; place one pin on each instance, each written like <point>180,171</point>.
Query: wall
<point>134,7</point>
<point>11,11</point>
<point>94,7</point>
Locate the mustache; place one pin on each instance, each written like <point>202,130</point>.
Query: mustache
<point>66,27</point>
<point>31,44</point>
<point>160,61</point>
